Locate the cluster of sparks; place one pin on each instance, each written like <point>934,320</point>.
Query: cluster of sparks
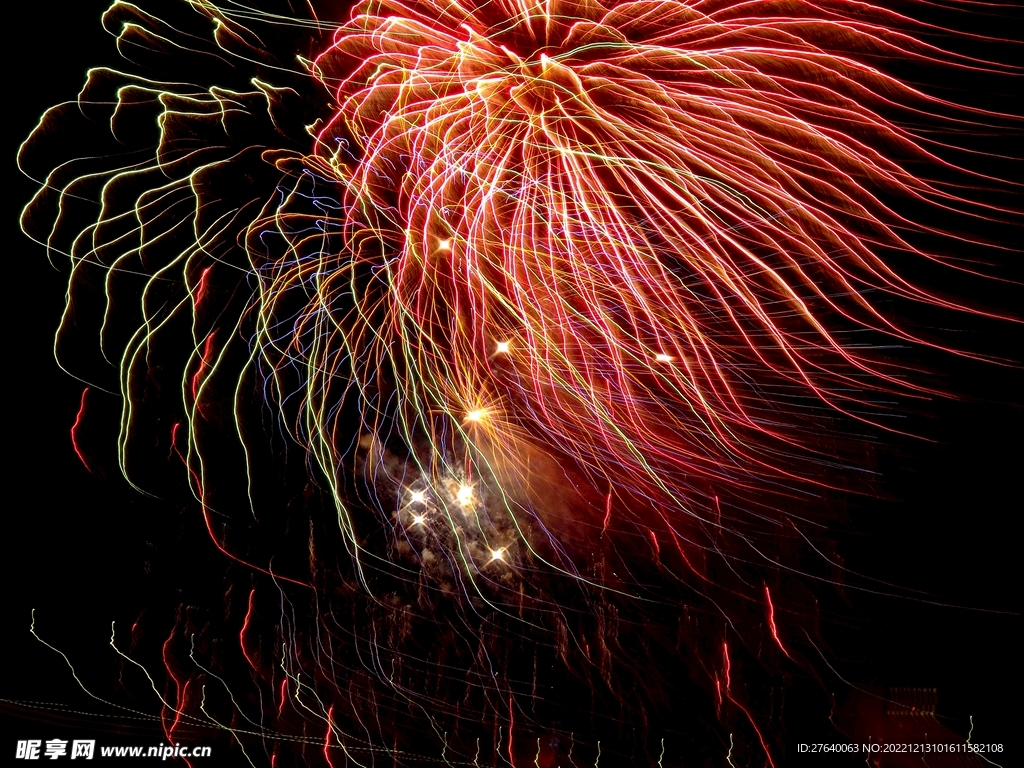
<point>565,260</point>
<point>625,231</point>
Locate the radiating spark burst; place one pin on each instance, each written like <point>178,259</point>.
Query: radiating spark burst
<point>677,210</point>
<point>535,270</point>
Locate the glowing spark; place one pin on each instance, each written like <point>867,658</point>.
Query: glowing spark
<point>74,430</point>
<point>501,348</point>
<point>476,416</point>
<point>771,621</point>
<point>497,554</point>
<point>418,497</point>
<point>728,665</point>
<point>245,627</point>
<point>465,495</point>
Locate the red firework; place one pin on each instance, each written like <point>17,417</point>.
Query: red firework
<point>549,281</point>
<point>640,232</point>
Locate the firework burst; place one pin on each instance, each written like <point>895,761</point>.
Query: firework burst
<point>641,234</point>
<point>555,300</point>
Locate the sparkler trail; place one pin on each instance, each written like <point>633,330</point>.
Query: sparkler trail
<point>565,310</point>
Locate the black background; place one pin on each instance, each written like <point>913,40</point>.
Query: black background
<point>84,550</point>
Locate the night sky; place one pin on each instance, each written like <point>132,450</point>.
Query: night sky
<point>84,550</point>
